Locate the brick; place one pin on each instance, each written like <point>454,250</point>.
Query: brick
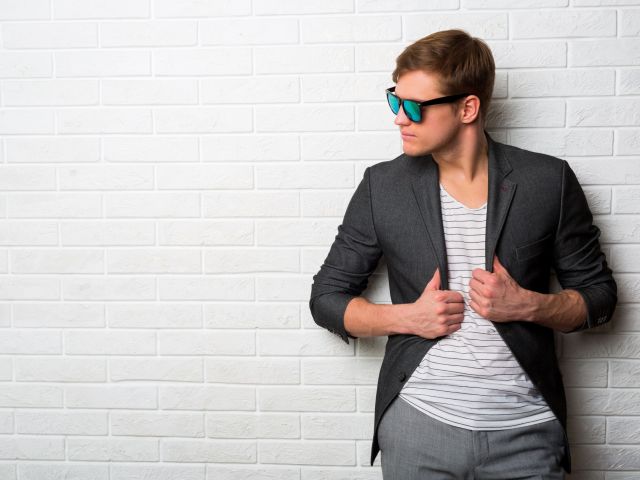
<point>252,425</point>
<point>57,260</point>
<point>26,10</point>
<point>156,33</point>
<point>214,451</point>
<point>252,472</point>
<point>60,369</point>
<point>358,28</point>
<point>52,150</point>
<point>344,88</point>
<point>249,90</point>
<point>154,260</point>
<point>203,119</point>
<point>526,113</point>
<point>109,342</point>
<point>342,371</point>
<point>61,423</point>
<point>306,175</point>
<point>102,233</point>
<point>148,424</point>
<point>581,373</point>
<point>492,25</point>
<point>304,118</point>
<point>150,149</point>
<point>301,343</point>
<point>201,8</point>
<point>203,288</point>
<point>32,122</point>
<point>25,288</point>
<point>102,63</point>
<point>308,452</point>
<point>111,396</point>
<point>253,316</point>
<point>249,31</point>
<point>304,59</point>
<point>629,81</point>
<point>50,92</point>
<point>153,315</point>
<point>586,429</point>
<point>561,83</point>
<point>50,35</point>
<point>159,91</point>
<point>32,448</point>
<point>251,260</point>
<point>561,142</point>
<point>113,449</point>
<point>157,472</point>
<point>604,51</point>
<point>351,146</point>
<point>156,369</point>
<point>252,370</point>
<point>204,177</point>
<point>254,148</point>
<point>207,398</point>
<point>596,112</point>
<point>25,64</point>
<point>78,9</point>
<point>250,204</point>
<point>202,61</point>
<point>206,343</point>
<point>19,177</point>
<point>306,399</point>
<point>336,426</point>
<point>18,395</point>
<point>404,5</point>
<point>57,471</point>
<point>566,23</point>
<point>108,288</point>
<point>104,120</point>
<point>285,7</point>
<point>55,205</point>
<point>152,205</point>
<point>205,232</point>
<point>524,54</point>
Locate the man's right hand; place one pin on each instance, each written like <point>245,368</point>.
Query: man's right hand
<point>436,312</point>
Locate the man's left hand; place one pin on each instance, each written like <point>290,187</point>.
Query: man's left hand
<point>497,296</point>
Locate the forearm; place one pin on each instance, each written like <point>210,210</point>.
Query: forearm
<point>564,311</point>
<point>365,319</point>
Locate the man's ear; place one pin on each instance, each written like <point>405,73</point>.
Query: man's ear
<point>469,108</point>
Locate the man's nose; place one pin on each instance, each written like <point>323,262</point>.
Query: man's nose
<point>401,118</point>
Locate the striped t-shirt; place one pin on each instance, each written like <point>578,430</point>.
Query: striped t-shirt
<point>470,378</point>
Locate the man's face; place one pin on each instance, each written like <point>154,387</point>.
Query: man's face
<point>439,122</point>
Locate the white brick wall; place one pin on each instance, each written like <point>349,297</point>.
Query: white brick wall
<point>172,175</point>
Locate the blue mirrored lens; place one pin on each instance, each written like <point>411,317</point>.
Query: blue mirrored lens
<point>394,103</point>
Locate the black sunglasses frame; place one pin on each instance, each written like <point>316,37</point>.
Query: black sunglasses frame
<point>434,101</point>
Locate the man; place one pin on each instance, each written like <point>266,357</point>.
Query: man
<point>470,228</point>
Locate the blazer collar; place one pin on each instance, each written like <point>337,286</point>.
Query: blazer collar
<point>425,184</point>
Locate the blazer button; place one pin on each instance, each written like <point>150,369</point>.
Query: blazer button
<point>402,376</point>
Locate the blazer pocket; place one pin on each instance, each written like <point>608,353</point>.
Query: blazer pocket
<point>533,249</point>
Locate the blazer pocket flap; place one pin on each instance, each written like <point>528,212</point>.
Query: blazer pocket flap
<point>532,249</point>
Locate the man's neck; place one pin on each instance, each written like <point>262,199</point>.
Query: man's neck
<point>466,160</point>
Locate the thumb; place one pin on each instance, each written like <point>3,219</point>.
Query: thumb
<point>434,283</point>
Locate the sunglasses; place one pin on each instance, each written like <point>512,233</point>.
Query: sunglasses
<point>413,108</point>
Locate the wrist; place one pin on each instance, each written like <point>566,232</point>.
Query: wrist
<point>532,305</point>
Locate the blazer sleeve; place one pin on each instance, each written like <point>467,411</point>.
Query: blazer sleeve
<point>578,261</point>
<point>352,258</point>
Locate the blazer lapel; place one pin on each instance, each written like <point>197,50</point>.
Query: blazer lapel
<point>426,189</point>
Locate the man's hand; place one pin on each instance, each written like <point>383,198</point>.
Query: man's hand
<point>436,312</point>
<point>497,296</point>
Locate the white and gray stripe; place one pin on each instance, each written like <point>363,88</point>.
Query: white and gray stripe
<point>470,378</point>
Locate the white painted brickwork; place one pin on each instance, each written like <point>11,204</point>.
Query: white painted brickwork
<point>172,175</point>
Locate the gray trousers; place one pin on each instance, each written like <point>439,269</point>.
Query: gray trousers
<point>415,446</point>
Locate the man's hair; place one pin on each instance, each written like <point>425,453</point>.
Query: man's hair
<point>463,64</point>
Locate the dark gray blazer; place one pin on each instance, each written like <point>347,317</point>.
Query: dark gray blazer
<point>537,219</point>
